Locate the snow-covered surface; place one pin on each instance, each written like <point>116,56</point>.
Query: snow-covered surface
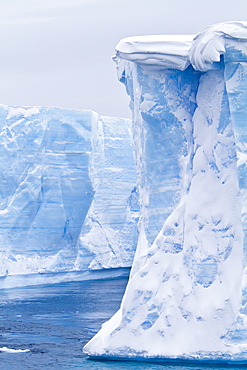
<point>210,44</point>
<point>67,190</point>
<point>178,51</point>
<point>183,299</point>
<point>168,51</point>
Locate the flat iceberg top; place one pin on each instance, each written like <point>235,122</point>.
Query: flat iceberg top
<point>157,44</point>
<point>178,51</point>
<point>157,50</point>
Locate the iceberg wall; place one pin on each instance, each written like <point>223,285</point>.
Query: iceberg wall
<point>183,299</point>
<point>60,171</point>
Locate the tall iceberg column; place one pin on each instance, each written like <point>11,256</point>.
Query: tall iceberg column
<point>183,299</point>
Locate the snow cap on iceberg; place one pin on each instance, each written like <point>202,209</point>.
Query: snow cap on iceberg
<point>170,51</point>
<point>178,51</point>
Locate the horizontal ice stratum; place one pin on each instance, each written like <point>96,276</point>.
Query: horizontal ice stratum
<point>186,299</point>
<point>68,198</point>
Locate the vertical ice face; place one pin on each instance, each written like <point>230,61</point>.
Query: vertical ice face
<point>163,137</point>
<point>236,84</point>
<point>109,232</point>
<point>236,77</point>
<point>183,299</point>
<point>55,166</point>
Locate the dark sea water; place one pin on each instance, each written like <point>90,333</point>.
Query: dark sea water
<point>54,322</point>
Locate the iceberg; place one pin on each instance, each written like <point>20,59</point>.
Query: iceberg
<point>185,299</point>
<point>68,197</point>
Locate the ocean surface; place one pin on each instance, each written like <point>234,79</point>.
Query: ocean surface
<point>53,322</point>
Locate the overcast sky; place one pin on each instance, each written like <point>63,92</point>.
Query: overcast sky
<point>58,52</point>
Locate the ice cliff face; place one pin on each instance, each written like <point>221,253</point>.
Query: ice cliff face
<point>67,191</point>
<point>183,299</point>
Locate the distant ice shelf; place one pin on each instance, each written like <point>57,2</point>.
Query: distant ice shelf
<point>68,197</point>
<point>189,103</point>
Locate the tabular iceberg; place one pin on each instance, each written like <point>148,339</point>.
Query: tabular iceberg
<point>68,200</point>
<point>189,102</point>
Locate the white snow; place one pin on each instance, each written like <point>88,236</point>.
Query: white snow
<point>168,51</point>
<point>178,51</point>
<point>21,111</point>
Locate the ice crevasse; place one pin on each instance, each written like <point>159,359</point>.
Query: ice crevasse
<point>68,200</point>
<point>186,295</point>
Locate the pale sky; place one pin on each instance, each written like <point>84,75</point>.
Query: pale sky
<point>58,52</point>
